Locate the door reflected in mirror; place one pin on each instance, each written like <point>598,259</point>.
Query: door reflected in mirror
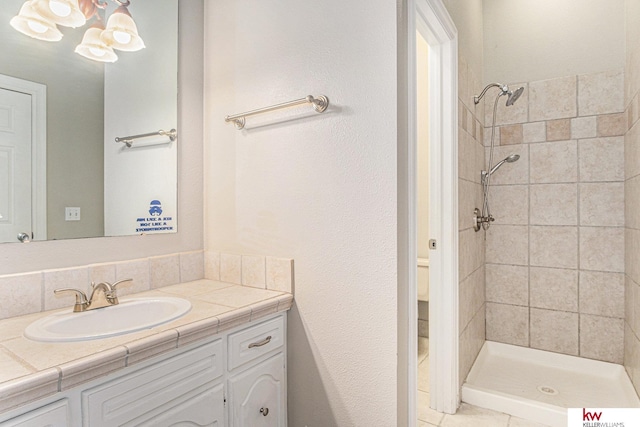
<point>62,175</point>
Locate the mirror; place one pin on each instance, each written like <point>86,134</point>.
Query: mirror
<point>72,179</point>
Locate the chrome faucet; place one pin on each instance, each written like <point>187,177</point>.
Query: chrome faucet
<point>102,295</point>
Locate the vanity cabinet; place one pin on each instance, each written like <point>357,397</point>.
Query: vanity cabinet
<point>187,388</point>
<point>257,384</point>
<point>235,379</point>
<point>54,414</point>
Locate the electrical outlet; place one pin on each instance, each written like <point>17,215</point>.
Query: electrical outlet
<point>72,214</point>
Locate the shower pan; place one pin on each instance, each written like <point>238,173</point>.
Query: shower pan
<point>540,385</point>
<point>483,219</point>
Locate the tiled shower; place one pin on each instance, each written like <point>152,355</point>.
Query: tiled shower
<point>555,254</point>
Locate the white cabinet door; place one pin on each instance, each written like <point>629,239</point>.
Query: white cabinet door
<point>185,390</point>
<point>53,415</point>
<point>257,395</point>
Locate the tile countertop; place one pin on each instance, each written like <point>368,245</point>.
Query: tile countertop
<point>30,370</point>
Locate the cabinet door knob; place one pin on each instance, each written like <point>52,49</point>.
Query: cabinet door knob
<point>264,411</point>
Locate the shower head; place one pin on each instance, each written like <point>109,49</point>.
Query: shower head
<point>504,90</point>
<point>509,159</point>
<point>513,97</point>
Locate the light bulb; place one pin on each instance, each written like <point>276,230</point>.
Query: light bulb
<point>97,51</point>
<point>61,9</point>
<point>37,27</point>
<point>122,37</point>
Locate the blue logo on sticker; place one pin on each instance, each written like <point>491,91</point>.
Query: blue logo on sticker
<point>155,208</point>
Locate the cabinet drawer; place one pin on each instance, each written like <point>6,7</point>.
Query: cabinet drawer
<point>53,415</point>
<point>251,343</point>
<point>146,394</point>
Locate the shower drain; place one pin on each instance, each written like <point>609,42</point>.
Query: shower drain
<point>547,390</point>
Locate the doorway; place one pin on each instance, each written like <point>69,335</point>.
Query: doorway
<point>22,159</point>
<point>431,20</point>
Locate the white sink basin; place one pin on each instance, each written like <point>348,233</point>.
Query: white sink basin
<point>130,315</point>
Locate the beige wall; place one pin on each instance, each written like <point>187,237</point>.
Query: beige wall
<point>555,254</point>
<point>317,188</point>
<point>632,193</point>
<point>530,40</point>
<point>16,257</point>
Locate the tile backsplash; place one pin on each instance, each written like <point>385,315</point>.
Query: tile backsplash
<point>555,254</point>
<point>32,292</point>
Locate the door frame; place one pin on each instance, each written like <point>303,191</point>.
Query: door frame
<point>38,93</point>
<point>431,19</point>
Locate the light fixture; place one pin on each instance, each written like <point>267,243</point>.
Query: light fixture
<point>30,23</point>
<point>122,32</point>
<point>62,12</point>
<point>39,19</point>
<point>92,47</point>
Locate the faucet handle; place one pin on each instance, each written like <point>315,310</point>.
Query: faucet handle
<point>81,298</point>
<point>113,287</point>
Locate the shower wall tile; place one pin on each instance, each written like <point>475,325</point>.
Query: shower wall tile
<point>534,132</point>
<point>507,244</point>
<point>597,241</point>
<point>601,93</point>
<point>630,303</point>
<point>632,202</point>
<point>472,296</point>
<point>554,204</point>
<point>553,99</point>
<point>602,204</point>
<point>487,136</point>
<point>554,162</point>
<point>602,294</point>
<point>584,127</point>
<point>601,159</point>
<point>612,124</point>
<point>469,197</point>
<point>472,252</point>
<point>507,284</point>
<point>636,308</point>
<point>479,162</point>
<point>509,204</point>
<point>554,331</point>
<point>559,130</point>
<point>511,173</point>
<point>467,161</point>
<point>632,356</point>
<point>508,324</point>
<point>510,135</point>
<point>554,246</point>
<point>602,338</point>
<point>554,289</point>
<point>632,253</point>
<point>471,340</point>
<point>632,151</point>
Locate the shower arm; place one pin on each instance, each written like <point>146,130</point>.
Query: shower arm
<point>503,88</point>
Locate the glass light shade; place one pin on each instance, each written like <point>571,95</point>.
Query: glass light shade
<point>30,23</point>
<point>93,48</point>
<point>121,32</point>
<point>62,12</point>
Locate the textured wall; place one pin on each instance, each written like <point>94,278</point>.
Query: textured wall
<point>632,192</point>
<point>555,254</point>
<point>529,40</point>
<point>319,188</point>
